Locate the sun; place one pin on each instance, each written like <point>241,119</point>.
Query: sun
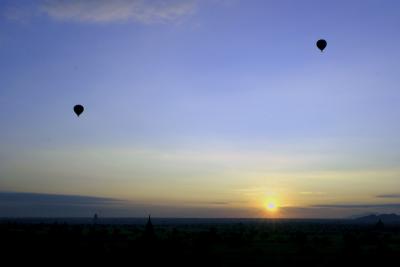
<point>271,206</point>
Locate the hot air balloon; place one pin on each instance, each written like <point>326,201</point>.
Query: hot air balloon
<point>321,44</point>
<point>78,109</point>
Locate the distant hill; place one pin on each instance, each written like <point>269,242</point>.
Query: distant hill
<point>385,218</point>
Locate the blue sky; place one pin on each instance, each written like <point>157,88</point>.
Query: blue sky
<point>203,102</point>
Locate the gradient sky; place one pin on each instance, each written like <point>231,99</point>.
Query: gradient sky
<point>200,108</point>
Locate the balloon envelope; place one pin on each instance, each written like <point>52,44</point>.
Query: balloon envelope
<point>78,109</point>
<point>321,44</point>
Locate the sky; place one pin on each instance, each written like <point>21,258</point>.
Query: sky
<point>199,108</point>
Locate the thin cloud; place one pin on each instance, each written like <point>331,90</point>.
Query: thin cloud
<point>389,196</point>
<point>222,203</point>
<point>358,206</point>
<point>312,193</point>
<point>15,204</point>
<point>39,199</point>
<point>105,11</point>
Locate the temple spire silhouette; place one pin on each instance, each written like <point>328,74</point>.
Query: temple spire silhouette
<point>379,225</point>
<point>149,230</point>
<point>95,219</point>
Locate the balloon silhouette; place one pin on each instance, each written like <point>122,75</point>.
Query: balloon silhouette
<point>78,109</point>
<point>321,44</point>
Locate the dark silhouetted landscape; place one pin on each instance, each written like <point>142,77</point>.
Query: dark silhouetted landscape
<point>201,242</point>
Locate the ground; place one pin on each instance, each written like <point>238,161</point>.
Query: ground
<point>262,243</point>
